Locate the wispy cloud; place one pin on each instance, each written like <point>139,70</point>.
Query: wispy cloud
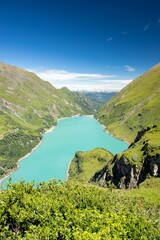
<point>146,27</point>
<point>82,81</point>
<point>158,21</point>
<point>109,39</point>
<point>108,86</point>
<point>62,75</point>
<point>129,68</point>
<point>126,67</point>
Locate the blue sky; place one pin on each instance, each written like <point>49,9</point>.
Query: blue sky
<point>81,44</point>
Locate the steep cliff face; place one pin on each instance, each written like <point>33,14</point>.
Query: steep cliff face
<point>141,159</point>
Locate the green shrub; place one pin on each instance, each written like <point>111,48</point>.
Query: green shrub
<point>73,211</point>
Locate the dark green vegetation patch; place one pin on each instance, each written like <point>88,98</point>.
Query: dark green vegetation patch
<point>13,146</point>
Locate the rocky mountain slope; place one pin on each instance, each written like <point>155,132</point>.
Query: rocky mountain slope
<point>29,106</point>
<point>135,107</point>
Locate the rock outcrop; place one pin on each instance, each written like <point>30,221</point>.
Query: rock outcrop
<point>129,169</point>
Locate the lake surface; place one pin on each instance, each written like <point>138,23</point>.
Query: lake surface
<point>51,158</point>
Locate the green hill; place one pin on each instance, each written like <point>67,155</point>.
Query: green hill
<point>85,164</point>
<point>29,106</point>
<point>135,107</point>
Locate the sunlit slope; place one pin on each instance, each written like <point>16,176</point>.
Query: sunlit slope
<point>84,164</point>
<point>135,107</point>
<point>26,101</point>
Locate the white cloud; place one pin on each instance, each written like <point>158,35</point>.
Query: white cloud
<point>82,81</point>
<point>109,39</point>
<point>62,75</point>
<point>129,68</point>
<point>109,86</point>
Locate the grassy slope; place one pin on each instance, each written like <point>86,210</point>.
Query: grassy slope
<point>135,107</point>
<point>29,106</point>
<point>85,164</point>
<point>136,153</point>
<point>31,103</point>
<point>149,190</point>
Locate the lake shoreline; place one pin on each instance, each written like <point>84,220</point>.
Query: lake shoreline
<point>22,158</point>
<point>33,149</point>
<point>46,132</point>
<point>19,160</point>
<point>105,130</point>
<point>67,173</point>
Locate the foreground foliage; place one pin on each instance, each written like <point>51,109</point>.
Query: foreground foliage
<point>73,211</point>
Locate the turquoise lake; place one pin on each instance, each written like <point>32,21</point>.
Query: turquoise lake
<point>51,158</point>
